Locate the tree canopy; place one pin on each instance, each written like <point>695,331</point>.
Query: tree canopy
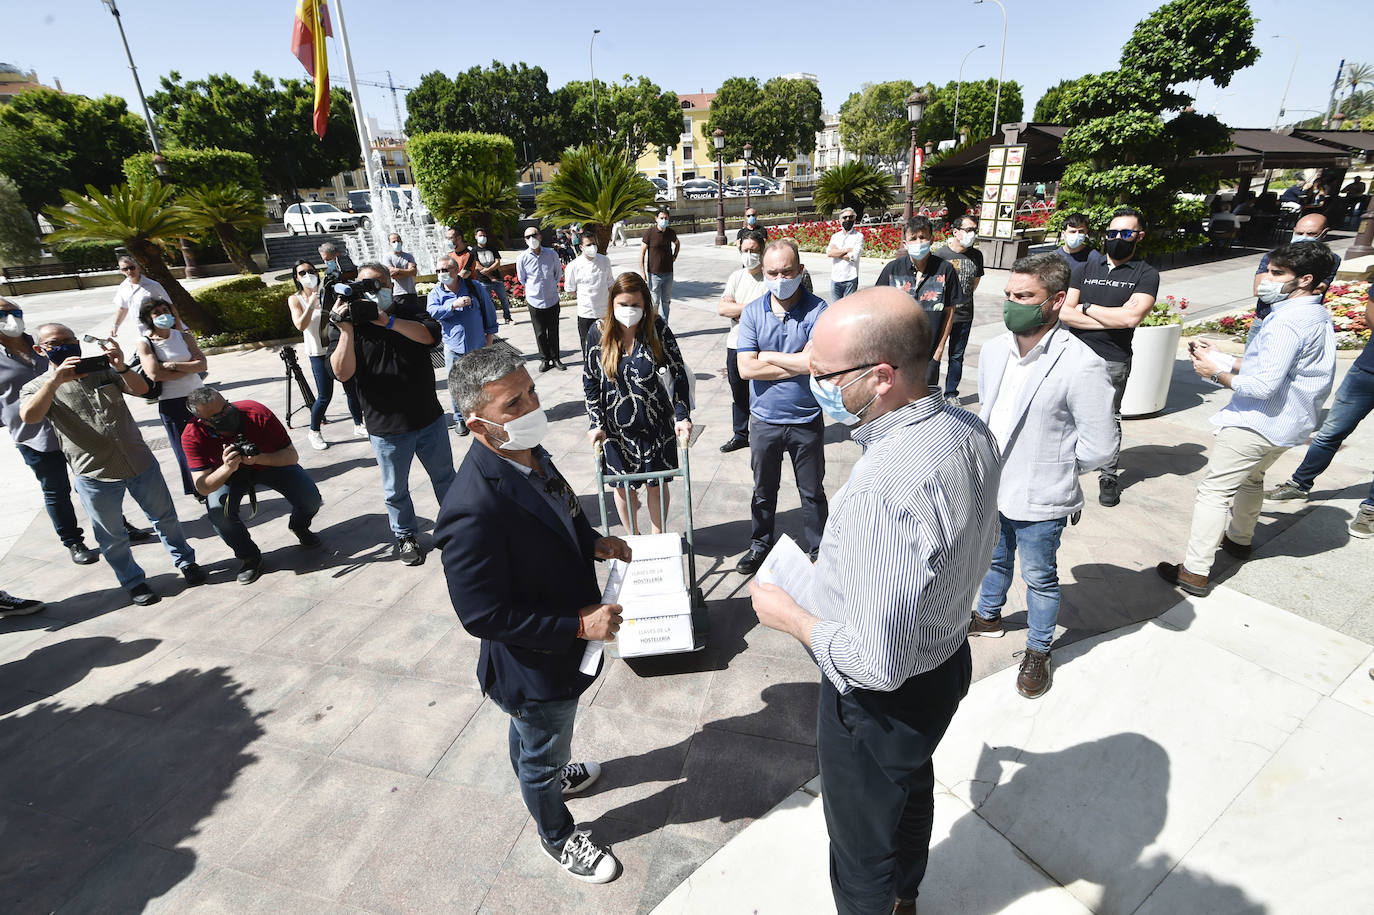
<point>1050,108</point>
<point>634,116</point>
<point>269,119</point>
<point>779,118</point>
<point>50,141</point>
<point>873,121</point>
<point>976,102</point>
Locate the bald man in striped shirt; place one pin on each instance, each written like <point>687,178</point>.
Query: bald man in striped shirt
<point>908,540</point>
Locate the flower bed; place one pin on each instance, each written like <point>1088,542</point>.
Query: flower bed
<point>1345,301</point>
<point>879,241</point>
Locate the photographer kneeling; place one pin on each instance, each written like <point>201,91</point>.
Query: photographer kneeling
<point>233,447</point>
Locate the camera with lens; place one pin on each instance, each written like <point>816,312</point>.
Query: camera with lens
<point>244,447</point>
<point>360,309</point>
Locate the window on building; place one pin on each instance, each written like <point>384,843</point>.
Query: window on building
<point>686,154</point>
<point>688,175</point>
<point>687,126</point>
<point>400,177</point>
<point>348,180</point>
<point>686,104</point>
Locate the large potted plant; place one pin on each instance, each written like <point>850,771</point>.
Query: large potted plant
<point>1154,349</point>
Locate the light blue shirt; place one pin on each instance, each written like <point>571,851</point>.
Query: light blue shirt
<point>464,329</point>
<point>539,274</point>
<point>788,401</point>
<point>1287,373</point>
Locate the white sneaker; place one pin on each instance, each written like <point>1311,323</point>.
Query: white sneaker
<point>360,430</point>
<point>317,441</point>
<point>584,859</point>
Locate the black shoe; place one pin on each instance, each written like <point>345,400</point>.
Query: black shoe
<point>82,555</point>
<point>23,606</point>
<point>193,574</point>
<point>409,551</point>
<point>561,366</point>
<point>1108,491</point>
<point>139,534</point>
<point>545,366</point>
<point>584,859</point>
<point>143,595</point>
<point>1240,551</point>
<point>249,571</point>
<point>750,562</point>
<point>736,443</point>
<point>463,429</point>
<point>308,538</point>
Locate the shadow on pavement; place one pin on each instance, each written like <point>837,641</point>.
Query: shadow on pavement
<point>79,783</point>
<point>1146,462</point>
<point>53,668</point>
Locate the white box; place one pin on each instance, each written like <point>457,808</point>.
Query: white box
<point>655,635</point>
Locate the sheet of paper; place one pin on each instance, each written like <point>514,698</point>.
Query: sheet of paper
<point>790,569</point>
<point>615,577</point>
<point>654,546</point>
<point>656,635</point>
<point>650,577</point>
<point>1222,362</point>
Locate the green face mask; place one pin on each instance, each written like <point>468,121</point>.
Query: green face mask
<point>1023,319</point>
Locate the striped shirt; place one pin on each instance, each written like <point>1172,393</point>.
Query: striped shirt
<point>1287,373</point>
<point>909,539</point>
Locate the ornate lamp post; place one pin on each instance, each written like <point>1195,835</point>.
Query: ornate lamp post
<point>718,137</point>
<point>748,154</point>
<point>915,108</point>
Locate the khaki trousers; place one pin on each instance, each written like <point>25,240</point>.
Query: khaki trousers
<point>1234,489</point>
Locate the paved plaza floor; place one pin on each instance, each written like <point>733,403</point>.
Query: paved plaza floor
<point>315,741</point>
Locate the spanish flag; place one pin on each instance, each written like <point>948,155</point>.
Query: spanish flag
<point>307,43</point>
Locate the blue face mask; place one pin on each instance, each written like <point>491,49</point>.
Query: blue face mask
<point>663,223</point>
<point>164,321</point>
<point>61,352</point>
<point>830,397</point>
<point>384,299</point>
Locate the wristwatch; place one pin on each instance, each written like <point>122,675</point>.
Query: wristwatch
<point>1083,308</point>
<point>1215,379</point>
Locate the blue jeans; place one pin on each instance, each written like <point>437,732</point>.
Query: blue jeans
<point>840,290</point>
<point>324,393</point>
<point>541,745</point>
<point>1354,400</point>
<point>104,500</point>
<point>291,481</point>
<point>954,353</point>
<point>661,289</point>
<point>500,290</point>
<point>1039,543</point>
<point>175,418</point>
<point>51,469</point>
<point>394,453</point>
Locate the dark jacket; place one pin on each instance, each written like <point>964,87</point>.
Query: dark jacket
<point>516,580</point>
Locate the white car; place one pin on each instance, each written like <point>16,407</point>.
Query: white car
<point>318,218</point>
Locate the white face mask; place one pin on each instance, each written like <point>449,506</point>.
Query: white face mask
<point>1272,291</point>
<point>783,287</point>
<point>629,315</point>
<point>751,260</point>
<point>1298,238</point>
<point>481,240</point>
<point>396,246</point>
<point>589,252</point>
<point>12,325</point>
<point>967,237</point>
<point>918,249</point>
<point>523,432</point>
<point>1074,240</point>
<point>532,243</point>
<point>310,281</point>
<point>444,278</point>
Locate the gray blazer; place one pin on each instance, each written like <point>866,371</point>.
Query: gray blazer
<point>1063,425</point>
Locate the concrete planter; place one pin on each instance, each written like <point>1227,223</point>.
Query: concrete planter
<point>1152,369</point>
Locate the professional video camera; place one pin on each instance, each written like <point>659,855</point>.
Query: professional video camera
<point>355,294</point>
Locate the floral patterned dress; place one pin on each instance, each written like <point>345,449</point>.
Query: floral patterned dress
<point>633,406</point>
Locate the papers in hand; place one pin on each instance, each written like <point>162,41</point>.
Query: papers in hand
<point>1222,362</point>
<point>790,569</point>
<point>615,578</point>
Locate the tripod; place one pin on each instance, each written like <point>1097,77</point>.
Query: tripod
<point>294,373</point>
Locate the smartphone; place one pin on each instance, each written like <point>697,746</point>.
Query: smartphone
<point>1192,347</point>
<point>92,364</point>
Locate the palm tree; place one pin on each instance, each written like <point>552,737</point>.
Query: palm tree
<point>854,184</point>
<point>226,210</point>
<point>140,216</point>
<point>596,188</point>
<point>484,201</point>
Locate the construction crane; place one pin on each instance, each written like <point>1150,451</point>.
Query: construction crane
<point>395,99</point>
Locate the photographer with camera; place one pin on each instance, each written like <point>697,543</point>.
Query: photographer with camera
<point>84,401</point>
<point>234,447</point>
<point>386,348</point>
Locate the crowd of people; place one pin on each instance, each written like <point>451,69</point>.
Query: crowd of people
<point>915,555</point>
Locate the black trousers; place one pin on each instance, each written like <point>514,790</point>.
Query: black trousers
<point>545,323</point>
<point>878,783</point>
<point>805,443</point>
<point>739,394</point>
<point>584,325</point>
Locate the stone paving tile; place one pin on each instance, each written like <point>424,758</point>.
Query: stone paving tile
<point>129,879</point>
<point>215,890</point>
<point>480,757</point>
<point>453,659</point>
<point>411,727</point>
<point>765,697</point>
<point>321,711</point>
<point>412,630</point>
<point>323,631</point>
<point>55,853</point>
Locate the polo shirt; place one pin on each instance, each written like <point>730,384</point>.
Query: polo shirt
<point>1075,259</point>
<point>204,447</point>
<point>464,328</point>
<point>1105,286</point>
<point>394,377</point>
<point>660,245</point>
<point>787,401</point>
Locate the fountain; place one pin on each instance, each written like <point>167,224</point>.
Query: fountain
<point>425,241</point>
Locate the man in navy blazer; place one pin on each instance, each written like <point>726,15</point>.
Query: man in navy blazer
<point>1047,399</point>
<point>518,554</point>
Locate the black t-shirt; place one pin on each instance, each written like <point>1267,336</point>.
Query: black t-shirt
<point>394,375</point>
<point>969,265</point>
<point>1075,259</point>
<point>485,258</point>
<point>1105,286</point>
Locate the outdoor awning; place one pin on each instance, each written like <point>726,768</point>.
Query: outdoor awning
<point>1254,150</point>
<point>1353,140</point>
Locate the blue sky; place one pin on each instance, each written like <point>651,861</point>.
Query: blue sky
<point>845,44</point>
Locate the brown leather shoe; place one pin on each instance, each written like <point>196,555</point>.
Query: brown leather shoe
<point>1176,575</point>
<point>904,907</point>
<point>991,629</point>
<point>1034,678</point>
<point>1240,551</point>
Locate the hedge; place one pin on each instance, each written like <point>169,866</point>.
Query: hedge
<point>97,255</point>
<point>435,157</point>
<point>192,167</point>
<point>247,310</point>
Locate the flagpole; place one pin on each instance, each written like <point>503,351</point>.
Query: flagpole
<point>364,135</point>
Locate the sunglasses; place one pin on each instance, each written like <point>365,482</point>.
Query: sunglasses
<point>528,237</point>
<point>1122,233</point>
<point>127,269</point>
<point>305,272</point>
<point>17,312</point>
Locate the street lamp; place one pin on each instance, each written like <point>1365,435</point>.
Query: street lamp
<point>1283,103</point>
<point>748,154</point>
<point>718,137</point>
<point>958,87</point>
<point>596,107</point>
<point>997,105</point>
<point>915,108</point>
<point>159,163</point>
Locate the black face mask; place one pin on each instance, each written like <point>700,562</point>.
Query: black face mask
<point>227,422</point>
<point>1120,249</point>
<point>847,223</point>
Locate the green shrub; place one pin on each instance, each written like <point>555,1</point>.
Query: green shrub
<point>436,157</point>
<point>193,167</point>
<point>93,254</point>
<point>246,310</point>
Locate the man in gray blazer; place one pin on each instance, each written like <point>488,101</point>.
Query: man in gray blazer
<point>1047,399</point>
